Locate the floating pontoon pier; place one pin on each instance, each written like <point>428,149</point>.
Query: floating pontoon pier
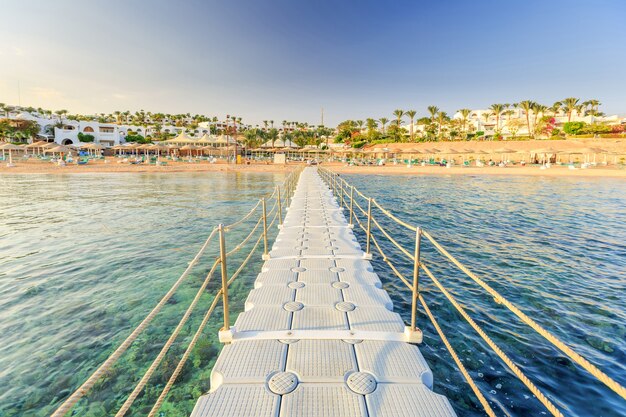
<point>318,336</point>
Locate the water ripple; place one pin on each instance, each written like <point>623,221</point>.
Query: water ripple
<point>553,246</point>
<point>83,258</point>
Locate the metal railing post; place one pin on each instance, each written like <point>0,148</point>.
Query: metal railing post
<point>341,192</point>
<point>416,277</point>
<point>351,203</point>
<point>280,207</point>
<point>369,225</point>
<point>264,227</point>
<point>224,276</point>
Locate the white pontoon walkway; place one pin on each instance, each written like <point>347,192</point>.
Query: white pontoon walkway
<point>319,337</point>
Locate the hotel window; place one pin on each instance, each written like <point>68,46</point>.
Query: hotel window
<point>106,129</point>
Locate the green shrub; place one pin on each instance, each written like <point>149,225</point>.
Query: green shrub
<point>574,128</point>
<point>136,138</point>
<point>85,138</point>
<point>596,129</point>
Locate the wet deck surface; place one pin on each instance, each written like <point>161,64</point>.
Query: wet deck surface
<point>319,336</point>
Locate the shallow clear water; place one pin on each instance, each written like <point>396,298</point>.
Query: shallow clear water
<point>83,258</point>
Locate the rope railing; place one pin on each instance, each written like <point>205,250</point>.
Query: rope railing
<point>512,366</point>
<point>451,350</point>
<point>245,240</point>
<point>244,218</point>
<point>391,239</point>
<point>274,210</point>
<point>280,195</point>
<point>201,327</point>
<point>385,259</point>
<point>369,223</point>
<point>588,366</point>
<point>112,359</point>
<point>457,361</point>
<point>170,383</point>
<point>173,336</point>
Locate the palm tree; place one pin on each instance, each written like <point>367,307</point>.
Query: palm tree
<point>497,109</point>
<point>398,113</point>
<point>569,105</point>
<point>464,116</point>
<point>441,116</point>
<point>538,109</point>
<point>272,135</point>
<point>433,110</point>
<point>371,125</point>
<point>508,114</point>
<point>60,114</point>
<point>555,108</point>
<point>383,121</point>
<point>527,106</point>
<point>411,114</point>
<point>486,115</point>
<point>594,104</point>
<point>359,124</point>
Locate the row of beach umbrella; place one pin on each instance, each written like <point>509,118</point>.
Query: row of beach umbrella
<point>504,152</point>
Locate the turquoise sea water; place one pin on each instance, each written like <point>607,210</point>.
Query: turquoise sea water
<point>83,258</point>
<point>556,247</point>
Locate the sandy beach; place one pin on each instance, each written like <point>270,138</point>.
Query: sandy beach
<point>569,150</point>
<point>554,171</point>
<point>111,166</point>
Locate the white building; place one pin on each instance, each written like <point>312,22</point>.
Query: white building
<point>46,125</point>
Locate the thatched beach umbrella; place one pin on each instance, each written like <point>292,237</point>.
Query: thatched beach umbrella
<point>591,151</point>
<point>36,145</point>
<point>49,145</point>
<point>93,148</point>
<point>158,148</point>
<point>545,152</point>
<point>172,149</point>
<point>60,149</point>
<point>189,148</point>
<point>10,148</point>
<point>503,152</point>
<point>119,148</point>
<point>615,154</point>
<point>411,152</point>
<point>447,151</point>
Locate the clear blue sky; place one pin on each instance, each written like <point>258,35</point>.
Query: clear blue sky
<point>285,59</point>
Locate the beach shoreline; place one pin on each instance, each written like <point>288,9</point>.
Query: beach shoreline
<point>533,171</point>
<point>111,166</point>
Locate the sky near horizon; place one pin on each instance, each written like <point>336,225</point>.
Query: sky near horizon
<point>286,59</point>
